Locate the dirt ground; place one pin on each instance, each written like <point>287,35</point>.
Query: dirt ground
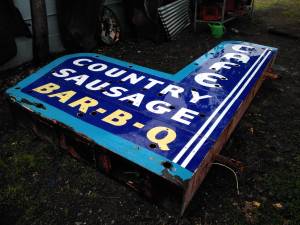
<point>41,185</point>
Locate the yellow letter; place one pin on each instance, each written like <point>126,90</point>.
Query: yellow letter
<point>84,103</point>
<point>47,88</point>
<point>118,118</point>
<point>164,141</point>
<point>63,96</point>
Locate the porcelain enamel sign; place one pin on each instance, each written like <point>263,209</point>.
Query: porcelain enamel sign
<point>145,115</point>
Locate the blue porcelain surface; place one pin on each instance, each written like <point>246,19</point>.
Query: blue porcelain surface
<point>149,138</point>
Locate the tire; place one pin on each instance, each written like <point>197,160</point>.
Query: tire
<point>111,24</point>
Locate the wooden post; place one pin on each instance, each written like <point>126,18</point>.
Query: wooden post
<point>40,30</point>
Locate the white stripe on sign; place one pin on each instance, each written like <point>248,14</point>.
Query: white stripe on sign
<point>208,133</point>
<point>199,132</point>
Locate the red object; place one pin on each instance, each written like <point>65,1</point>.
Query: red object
<point>230,5</point>
<point>211,13</point>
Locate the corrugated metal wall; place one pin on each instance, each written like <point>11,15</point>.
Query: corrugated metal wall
<point>175,17</point>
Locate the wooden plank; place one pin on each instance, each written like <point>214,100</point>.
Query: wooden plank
<point>40,30</point>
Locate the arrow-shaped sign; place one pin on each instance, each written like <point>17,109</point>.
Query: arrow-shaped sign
<point>144,115</point>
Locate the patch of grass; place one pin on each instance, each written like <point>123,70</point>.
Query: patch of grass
<point>13,191</point>
<point>25,160</point>
<point>265,4</point>
<point>288,8</point>
<point>2,165</point>
<point>286,190</point>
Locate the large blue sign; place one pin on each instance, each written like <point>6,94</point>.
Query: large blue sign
<point>144,115</point>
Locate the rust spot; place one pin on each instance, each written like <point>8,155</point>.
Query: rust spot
<point>105,163</point>
<point>38,105</point>
<point>174,179</point>
<point>73,153</point>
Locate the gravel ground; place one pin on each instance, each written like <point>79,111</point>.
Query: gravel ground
<point>41,185</point>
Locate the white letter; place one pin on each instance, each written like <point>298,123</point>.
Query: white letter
<point>104,85</point>
<point>156,107</point>
<point>202,77</point>
<point>90,85</point>
<point>135,99</point>
<point>219,65</point>
<point>133,79</point>
<point>152,83</point>
<point>64,72</point>
<point>97,67</point>
<point>79,79</point>
<point>77,62</point>
<point>183,113</point>
<point>239,48</point>
<point>173,89</point>
<point>238,56</point>
<point>196,97</point>
<point>111,72</point>
<point>115,91</point>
